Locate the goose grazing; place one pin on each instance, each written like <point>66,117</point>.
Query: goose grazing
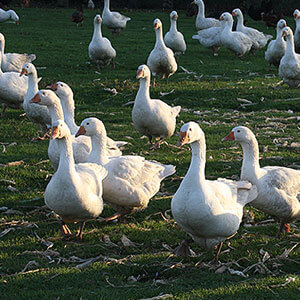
<point>66,96</point>
<point>131,181</point>
<point>289,67</point>
<point>259,39</point>
<point>173,38</point>
<point>152,117</point>
<point>296,16</point>
<point>201,21</point>
<point>235,41</point>
<point>36,113</point>
<point>278,187</point>
<point>7,15</point>
<point>209,211</point>
<point>13,62</point>
<point>276,48</point>
<point>75,190</point>
<point>161,60</point>
<point>100,48</point>
<point>113,20</point>
<point>211,37</point>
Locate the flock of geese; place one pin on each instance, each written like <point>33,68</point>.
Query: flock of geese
<point>90,168</point>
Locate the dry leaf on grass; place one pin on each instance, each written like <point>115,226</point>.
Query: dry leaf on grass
<point>7,181</point>
<point>15,163</point>
<point>287,281</point>
<point>236,272</point>
<point>12,189</point>
<point>6,231</point>
<point>31,265</point>
<point>159,297</point>
<point>127,242</point>
<point>13,212</point>
<point>166,93</point>
<point>286,252</point>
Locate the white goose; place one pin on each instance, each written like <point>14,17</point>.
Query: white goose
<point>161,60</point>
<point>278,187</point>
<point>91,4</point>
<point>100,48</point>
<point>296,16</point>
<point>36,113</point>
<point>289,67</point>
<point>131,181</point>
<point>201,21</point>
<point>13,62</point>
<point>113,20</point>
<point>75,190</point>
<point>173,38</point>
<point>209,211</point>
<point>276,48</point>
<point>235,41</point>
<point>7,15</point>
<point>65,94</point>
<point>259,39</point>
<point>13,88</point>
<point>152,117</point>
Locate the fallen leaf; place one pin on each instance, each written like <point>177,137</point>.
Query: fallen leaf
<point>16,163</point>
<point>6,231</point>
<point>126,241</point>
<point>159,297</point>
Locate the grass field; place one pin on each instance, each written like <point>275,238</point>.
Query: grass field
<point>36,264</point>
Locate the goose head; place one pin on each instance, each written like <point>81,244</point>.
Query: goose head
<point>59,130</point>
<point>97,19</point>
<point>27,69</point>
<point>240,134</point>
<point>236,12</point>
<point>143,72</point>
<point>157,24</point>
<point>282,23</point>
<point>296,14</point>
<point>189,133</point>
<point>174,15</point>
<point>61,89</point>
<point>198,2</point>
<point>14,16</point>
<point>45,97</point>
<point>91,127</point>
<point>287,33</point>
<point>226,17</point>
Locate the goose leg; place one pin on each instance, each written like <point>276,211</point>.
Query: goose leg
<point>119,215</point>
<point>157,145</point>
<point>113,64</point>
<point>283,227</point>
<point>153,82</point>
<point>66,232</point>
<point>215,261</point>
<point>79,235</point>
<point>183,249</point>
<point>3,114</point>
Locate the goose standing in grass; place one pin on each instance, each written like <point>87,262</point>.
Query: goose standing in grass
<point>75,190</point>
<point>66,96</point>
<point>235,41</point>
<point>113,20</point>
<point>278,187</point>
<point>77,16</point>
<point>209,211</point>
<point>36,113</point>
<point>201,21</point>
<point>161,60</point>
<point>296,16</point>
<point>276,48</point>
<point>259,39</point>
<point>152,117</point>
<point>211,37</point>
<point>131,181</point>
<point>13,62</point>
<point>289,67</point>
<point>7,15</point>
<point>173,38</point>
<point>100,48</point>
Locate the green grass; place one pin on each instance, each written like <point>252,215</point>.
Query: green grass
<point>211,100</point>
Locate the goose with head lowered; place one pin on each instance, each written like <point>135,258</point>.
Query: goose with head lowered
<point>66,96</point>
<point>209,211</point>
<point>132,180</point>
<point>152,117</point>
<point>6,15</point>
<point>75,190</point>
<point>161,60</point>
<point>278,187</point>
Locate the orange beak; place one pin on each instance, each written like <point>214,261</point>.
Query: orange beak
<point>81,131</point>
<point>295,16</point>
<point>233,13</point>
<point>229,137</point>
<point>183,139</point>
<point>36,98</point>
<point>139,74</point>
<point>155,26</point>
<point>54,133</point>
<point>17,22</point>
<point>221,19</point>
<point>23,72</point>
<point>53,87</point>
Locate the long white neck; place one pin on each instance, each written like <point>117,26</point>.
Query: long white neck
<point>56,111</point>
<point>290,47</point>
<point>240,22</point>
<point>2,46</point>
<point>98,154</point>
<point>106,5</point>
<point>173,26</point>
<point>201,10</point>
<point>67,103</point>
<point>228,26</point>
<point>278,33</point>
<point>298,24</point>
<point>1,55</point>
<point>159,38</point>
<point>32,88</point>
<point>144,89</point>
<point>97,31</point>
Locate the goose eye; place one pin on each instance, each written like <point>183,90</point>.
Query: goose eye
<point>61,85</point>
<point>43,93</point>
<point>190,129</point>
<point>87,123</point>
<point>238,131</point>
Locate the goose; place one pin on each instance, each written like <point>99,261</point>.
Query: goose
<point>276,48</point>
<point>131,181</point>
<point>75,190</point>
<point>152,117</point>
<point>81,147</point>
<point>77,16</point>
<point>13,62</point>
<point>113,20</point>
<point>161,60</point>
<point>91,4</point>
<point>259,39</point>
<point>296,16</point>
<point>65,94</point>
<point>201,21</point>
<point>211,37</point>
<point>100,48</point>
<point>36,113</point>
<point>289,67</point>
<point>235,41</point>
<point>278,187</point>
<point>8,14</point>
<point>173,38</point>
<point>210,211</point>
<point>13,88</point>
